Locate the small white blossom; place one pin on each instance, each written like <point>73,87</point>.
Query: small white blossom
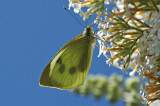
<point>70,3</point>
<point>77,7</point>
<point>133,72</point>
<point>109,60</point>
<point>120,4</point>
<point>82,14</point>
<point>102,44</point>
<point>107,1</point>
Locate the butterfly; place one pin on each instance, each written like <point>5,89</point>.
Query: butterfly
<point>69,67</point>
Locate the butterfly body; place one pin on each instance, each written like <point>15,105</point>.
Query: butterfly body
<point>69,67</point>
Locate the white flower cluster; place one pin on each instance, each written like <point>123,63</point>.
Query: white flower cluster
<point>149,50</point>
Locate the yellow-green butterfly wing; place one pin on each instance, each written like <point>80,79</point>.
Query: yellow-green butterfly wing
<point>70,66</point>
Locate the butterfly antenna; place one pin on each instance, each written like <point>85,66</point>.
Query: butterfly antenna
<point>73,16</point>
<point>87,20</point>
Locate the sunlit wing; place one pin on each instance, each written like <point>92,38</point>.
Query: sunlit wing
<point>69,68</point>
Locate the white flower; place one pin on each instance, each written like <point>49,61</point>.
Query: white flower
<point>102,44</point>
<point>120,4</point>
<point>109,60</point>
<point>77,7</point>
<point>107,1</point>
<point>70,3</point>
<point>139,16</point>
<point>82,14</point>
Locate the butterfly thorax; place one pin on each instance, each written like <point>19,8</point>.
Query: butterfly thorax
<point>89,31</point>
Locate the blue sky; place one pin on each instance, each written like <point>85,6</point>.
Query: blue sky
<point>31,32</point>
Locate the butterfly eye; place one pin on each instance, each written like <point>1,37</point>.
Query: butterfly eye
<point>88,31</point>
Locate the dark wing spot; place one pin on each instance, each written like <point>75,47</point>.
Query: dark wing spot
<point>72,70</point>
<point>59,61</point>
<point>61,68</point>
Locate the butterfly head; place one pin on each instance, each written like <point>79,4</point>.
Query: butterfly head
<point>88,31</point>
